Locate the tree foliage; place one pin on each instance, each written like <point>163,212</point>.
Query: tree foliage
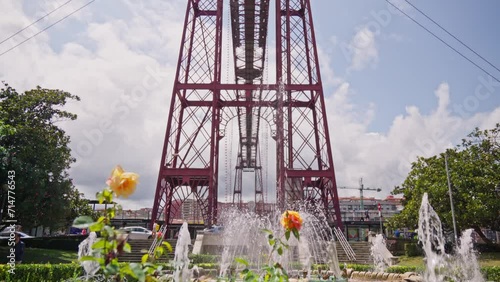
<point>37,151</point>
<point>474,168</point>
<point>79,206</point>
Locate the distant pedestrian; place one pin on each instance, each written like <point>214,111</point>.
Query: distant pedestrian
<point>397,233</point>
<point>19,251</point>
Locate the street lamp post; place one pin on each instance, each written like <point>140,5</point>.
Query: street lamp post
<point>451,197</point>
<point>497,191</point>
<point>379,206</point>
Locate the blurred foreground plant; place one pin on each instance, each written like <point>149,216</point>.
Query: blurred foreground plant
<point>291,222</point>
<point>111,242</point>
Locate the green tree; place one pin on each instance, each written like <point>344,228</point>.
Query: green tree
<point>79,206</point>
<point>38,153</point>
<point>5,131</point>
<point>474,172</point>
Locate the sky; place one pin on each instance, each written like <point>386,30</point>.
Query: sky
<point>392,90</point>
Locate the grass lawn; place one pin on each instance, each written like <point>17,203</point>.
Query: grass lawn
<point>33,255</point>
<point>485,259</point>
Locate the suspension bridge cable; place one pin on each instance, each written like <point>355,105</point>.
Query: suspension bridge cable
<point>49,26</point>
<point>28,26</point>
<point>444,42</point>
<point>444,29</point>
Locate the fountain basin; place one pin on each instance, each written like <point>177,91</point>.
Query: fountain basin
<point>382,276</point>
<point>329,279</point>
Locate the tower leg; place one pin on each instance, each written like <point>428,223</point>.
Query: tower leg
<point>305,168</point>
<point>189,163</point>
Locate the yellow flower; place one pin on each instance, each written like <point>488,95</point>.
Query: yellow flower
<point>291,220</point>
<point>121,182</point>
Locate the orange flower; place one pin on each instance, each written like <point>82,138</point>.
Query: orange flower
<point>291,220</point>
<point>121,182</point>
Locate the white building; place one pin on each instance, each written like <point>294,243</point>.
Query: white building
<point>352,209</point>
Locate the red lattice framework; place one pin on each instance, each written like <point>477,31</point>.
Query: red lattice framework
<point>202,106</point>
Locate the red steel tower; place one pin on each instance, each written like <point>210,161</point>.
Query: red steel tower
<point>202,106</point>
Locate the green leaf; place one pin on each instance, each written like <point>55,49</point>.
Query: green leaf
<point>83,222</point>
<point>287,234</point>
<point>159,251</point>
<point>296,233</point>
<point>126,270</point>
<point>107,193</point>
<point>138,272</point>
<point>272,242</point>
<point>250,277</point>
<point>280,250</point>
<point>267,231</point>
<point>112,268</point>
<point>168,246</point>
<point>108,230</point>
<point>96,227</point>
<point>241,261</point>
<point>127,248</point>
<point>100,244</point>
<point>100,197</point>
<point>145,258</point>
<point>111,212</point>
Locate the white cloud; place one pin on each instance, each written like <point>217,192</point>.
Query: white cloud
<point>363,49</point>
<point>123,70</point>
<point>383,159</point>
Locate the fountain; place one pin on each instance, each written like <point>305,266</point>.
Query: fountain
<point>240,238</point>
<point>90,267</point>
<point>181,259</point>
<point>333,260</point>
<point>461,266</point>
<point>379,253</point>
<point>440,266</point>
<point>243,237</point>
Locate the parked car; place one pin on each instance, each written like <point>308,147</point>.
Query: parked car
<point>138,232</point>
<point>6,234</point>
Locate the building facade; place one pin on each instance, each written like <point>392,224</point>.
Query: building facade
<point>353,209</point>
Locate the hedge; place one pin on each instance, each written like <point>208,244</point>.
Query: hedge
<point>203,258</point>
<point>64,243</point>
<point>40,272</point>
<point>397,245</point>
<point>64,272</point>
<point>403,269</point>
<point>492,273</point>
<point>413,250</point>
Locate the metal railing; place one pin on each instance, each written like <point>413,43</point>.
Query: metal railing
<point>345,245</point>
<point>157,240</point>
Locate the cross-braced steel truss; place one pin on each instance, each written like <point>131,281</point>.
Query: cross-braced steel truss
<point>202,106</point>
